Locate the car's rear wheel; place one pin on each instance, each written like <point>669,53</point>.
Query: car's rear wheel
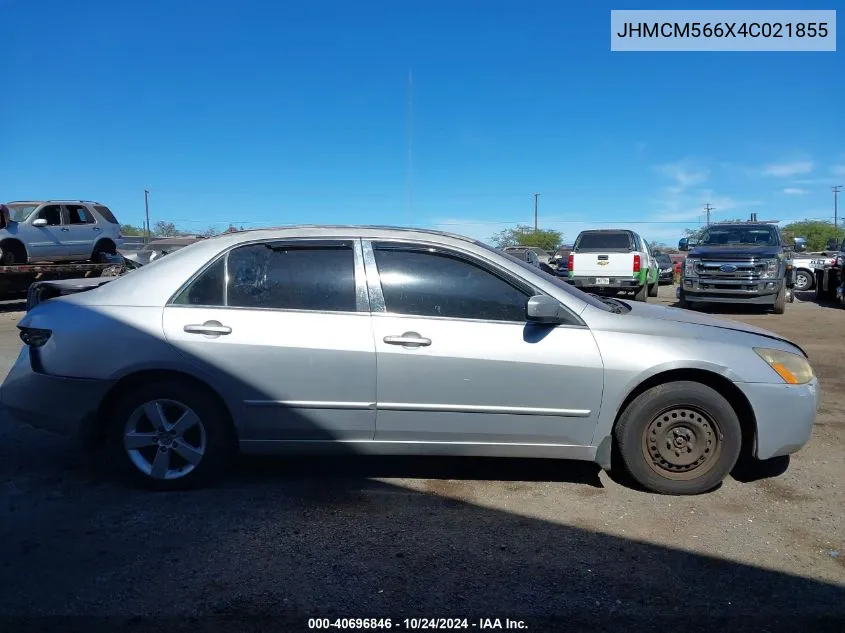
<point>102,249</point>
<point>803,280</point>
<point>679,438</point>
<point>169,435</point>
<point>654,289</point>
<point>642,293</point>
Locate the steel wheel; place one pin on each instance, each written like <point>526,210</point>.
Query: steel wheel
<point>803,281</point>
<point>681,443</point>
<point>165,439</point>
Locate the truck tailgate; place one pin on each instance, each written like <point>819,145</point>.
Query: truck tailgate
<point>603,265</point>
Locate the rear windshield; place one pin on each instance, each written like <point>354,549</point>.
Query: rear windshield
<point>604,241</point>
<point>108,216</point>
<point>663,259</point>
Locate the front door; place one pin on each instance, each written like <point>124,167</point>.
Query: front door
<point>458,363</point>
<point>45,242</point>
<point>289,339</point>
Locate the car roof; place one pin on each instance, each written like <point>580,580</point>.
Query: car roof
<point>55,202</point>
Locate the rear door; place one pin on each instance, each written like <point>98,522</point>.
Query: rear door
<point>81,230</point>
<point>284,327</point>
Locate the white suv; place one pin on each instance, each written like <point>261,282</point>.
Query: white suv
<point>57,231</point>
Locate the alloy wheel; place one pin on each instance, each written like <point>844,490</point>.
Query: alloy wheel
<point>165,439</point>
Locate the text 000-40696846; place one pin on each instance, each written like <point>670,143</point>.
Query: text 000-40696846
<point>726,30</point>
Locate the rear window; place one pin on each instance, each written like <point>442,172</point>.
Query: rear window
<point>604,241</point>
<point>108,216</point>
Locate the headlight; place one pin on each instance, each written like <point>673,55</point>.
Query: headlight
<point>794,369</point>
<point>771,268</point>
<point>689,267</point>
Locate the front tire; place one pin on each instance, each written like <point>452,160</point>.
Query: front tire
<point>679,438</point>
<point>168,435</point>
<point>780,301</point>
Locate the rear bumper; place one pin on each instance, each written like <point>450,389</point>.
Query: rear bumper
<point>53,403</point>
<point>785,416</point>
<point>614,283</point>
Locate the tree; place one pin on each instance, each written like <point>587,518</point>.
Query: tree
<point>660,247</point>
<point>524,235</point>
<point>128,229</point>
<point>816,232</point>
<point>696,233</point>
<point>165,229</point>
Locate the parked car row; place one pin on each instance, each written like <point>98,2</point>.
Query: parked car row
<point>396,341</point>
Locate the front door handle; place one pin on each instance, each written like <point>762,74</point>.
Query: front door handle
<point>408,339</point>
<point>64,228</point>
<point>209,328</point>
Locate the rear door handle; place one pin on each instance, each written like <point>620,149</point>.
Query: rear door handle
<point>97,228</point>
<point>408,339</point>
<point>209,328</point>
<point>64,228</point>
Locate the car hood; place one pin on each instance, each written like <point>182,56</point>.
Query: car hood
<point>678,315</point>
<point>727,252</point>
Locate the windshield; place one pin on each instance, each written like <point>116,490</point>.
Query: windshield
<point>733,235</point>
<point>20,212</point>
<point>603,241</point>
<point>593,300</point>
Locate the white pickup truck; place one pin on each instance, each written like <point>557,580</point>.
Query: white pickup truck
<point>613,261</point>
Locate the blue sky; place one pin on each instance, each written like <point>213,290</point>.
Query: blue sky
<point>271,113</point>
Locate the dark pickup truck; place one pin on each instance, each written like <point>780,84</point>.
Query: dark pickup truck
<point>738,262</point>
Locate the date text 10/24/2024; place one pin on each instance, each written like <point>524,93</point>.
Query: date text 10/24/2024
<point>414,624</point>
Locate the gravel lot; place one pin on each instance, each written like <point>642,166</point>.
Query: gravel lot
<point>281,541</point>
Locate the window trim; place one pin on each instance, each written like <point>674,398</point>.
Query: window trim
<point>376,292</point>
<point>66,215</point>
<point>361,297</point>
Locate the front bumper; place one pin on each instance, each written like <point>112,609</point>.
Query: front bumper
<point>785,415</point>
<point>54,403</point>
<point>713,290</point>
<point>614,283</point>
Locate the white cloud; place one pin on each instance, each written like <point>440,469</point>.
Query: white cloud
<point>786,170</point>
<point>794,191</point>
<point>685,173</point>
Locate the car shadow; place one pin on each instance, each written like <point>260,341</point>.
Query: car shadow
<point>282,540</point>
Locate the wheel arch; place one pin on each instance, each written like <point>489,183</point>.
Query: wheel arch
<point>721,383</point>
<point>98,429</point>
<point>17,244</point>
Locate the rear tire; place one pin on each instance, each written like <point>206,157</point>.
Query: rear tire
<point>804,280</point>
<point>654,289</point>
<point>101,249</point>
<point>147,445</point>
<point>780,301</point>
<point>679,438</point>
<point>642,293</point>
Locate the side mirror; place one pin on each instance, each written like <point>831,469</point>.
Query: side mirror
<point>40,222</point>
<point>543,309</point>
<point>683,244</point>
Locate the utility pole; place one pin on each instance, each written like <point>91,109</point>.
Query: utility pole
<point>836,189</point>
<point>147,215</point>
<point>536,202</point>
<point>410,139</point>
<point>708,209</point>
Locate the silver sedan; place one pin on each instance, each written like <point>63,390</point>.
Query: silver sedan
<point>391,341</point>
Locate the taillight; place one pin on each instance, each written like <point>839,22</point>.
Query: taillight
<point>571,263</point>
<point>33,336</point>
<point>636,263</point>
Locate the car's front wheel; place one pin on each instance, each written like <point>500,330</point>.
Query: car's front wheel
<point>169,435</point>
<point>679,438</point>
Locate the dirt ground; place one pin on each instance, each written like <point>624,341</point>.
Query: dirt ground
<point>560,546</point>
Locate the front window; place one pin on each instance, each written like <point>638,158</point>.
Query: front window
<point>739,235</point>
<point>20,212</point>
